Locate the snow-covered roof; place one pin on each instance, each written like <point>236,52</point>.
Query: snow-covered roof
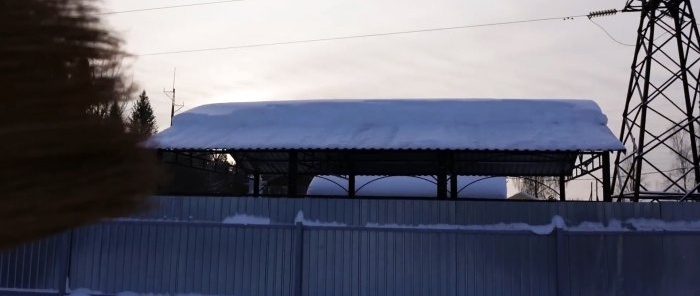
<point>419,186</point>
<point>446,124</point>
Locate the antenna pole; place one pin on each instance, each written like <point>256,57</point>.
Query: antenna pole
<point>171,95</point>
<point>172,105</point>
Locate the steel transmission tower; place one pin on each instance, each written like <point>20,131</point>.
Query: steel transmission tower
<point>660,119</point>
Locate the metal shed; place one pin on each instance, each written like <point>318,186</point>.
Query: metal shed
<point>440,137</point>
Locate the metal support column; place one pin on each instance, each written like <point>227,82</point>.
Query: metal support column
<point>562,187</point>
<point>607,188</point>
<point>351,185</point>
<point>442,186</point>
<point>454,190</point>
<point>293,174</point>
<point>443,167</point>
<point>256,184</point>
<point>454,179</point>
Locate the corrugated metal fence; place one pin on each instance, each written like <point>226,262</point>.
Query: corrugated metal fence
<point>182,247</point>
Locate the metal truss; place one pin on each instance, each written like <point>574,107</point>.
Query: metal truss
<point>661,111</point>
<point>589,163</point>
<point>586,165</point>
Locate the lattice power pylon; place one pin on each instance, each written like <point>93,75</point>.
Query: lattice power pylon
<point>660,119</point>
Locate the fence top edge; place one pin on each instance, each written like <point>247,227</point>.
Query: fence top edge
<point>540,230</point>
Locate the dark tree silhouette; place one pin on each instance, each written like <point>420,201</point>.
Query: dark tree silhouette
<point>142,121</point>
<point>116,114</point>
<point>63,165</point>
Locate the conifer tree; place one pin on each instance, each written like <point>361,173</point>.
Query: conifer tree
<point>142,121</point>
<point>116,114</point>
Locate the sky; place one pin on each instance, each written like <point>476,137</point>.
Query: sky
<point>563,59</point>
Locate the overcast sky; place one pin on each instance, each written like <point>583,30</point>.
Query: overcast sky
<point>553,59</point>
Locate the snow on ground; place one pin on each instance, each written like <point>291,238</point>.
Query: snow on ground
<point>419,186</point>
<point>244,219</point>
<point>469,124</point>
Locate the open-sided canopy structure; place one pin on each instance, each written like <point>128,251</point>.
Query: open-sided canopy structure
<point>440,137</point>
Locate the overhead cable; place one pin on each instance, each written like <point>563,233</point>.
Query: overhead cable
<point>361,36</point>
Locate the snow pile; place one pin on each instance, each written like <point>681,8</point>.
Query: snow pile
<point>640,225</point>
<point>557,222</point>
<point>658,225</point>
<point>546,229</point>
<point>613,225</point>
<point>247,220</point>
<point>476,124</point>
<point>300,219</point>
<point>419,186</point>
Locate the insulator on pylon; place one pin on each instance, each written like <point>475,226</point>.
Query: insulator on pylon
<point>601,13</point>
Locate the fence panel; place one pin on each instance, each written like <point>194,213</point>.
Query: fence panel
<point>680,264</point>
<point>38,266</point>
<point>633,264</point>
<point>354,262</point>
<point>210,259</point>
<point>188,250</point>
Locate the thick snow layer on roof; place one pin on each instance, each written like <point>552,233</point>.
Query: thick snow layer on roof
<point>459,124</point>
<point>397,186</point>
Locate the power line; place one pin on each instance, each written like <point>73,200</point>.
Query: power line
<point>166,7</point>
<point>361,36</point>
<point>643,174</point>
<point>608,33</point>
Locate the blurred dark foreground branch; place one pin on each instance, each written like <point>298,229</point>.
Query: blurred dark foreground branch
<point>61,163</point>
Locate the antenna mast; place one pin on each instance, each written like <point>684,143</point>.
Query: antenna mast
<point>171,95</point>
